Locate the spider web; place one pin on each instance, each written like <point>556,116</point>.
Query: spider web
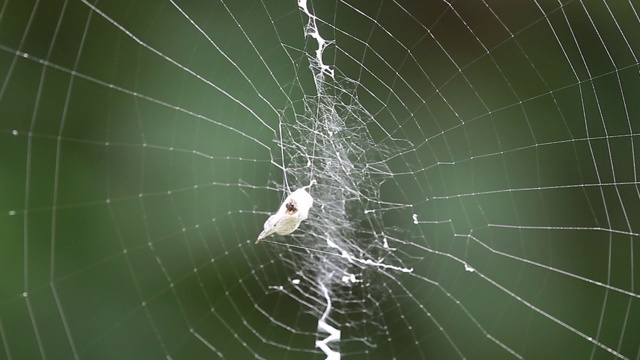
<point>473,167</point>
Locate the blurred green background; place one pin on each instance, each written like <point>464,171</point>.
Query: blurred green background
<point>139,163</point>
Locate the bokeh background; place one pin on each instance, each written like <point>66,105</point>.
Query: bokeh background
<point>139,144</point>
